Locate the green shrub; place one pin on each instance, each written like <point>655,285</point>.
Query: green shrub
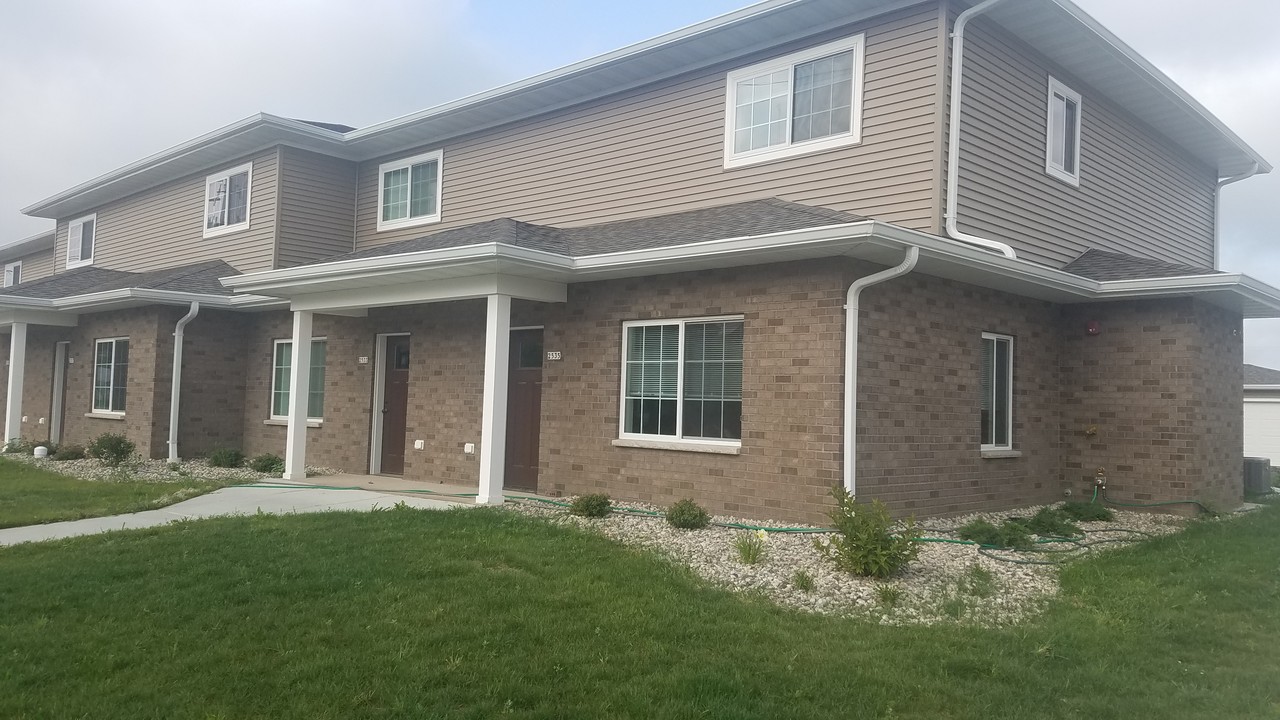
<point>68,452</point>
<point>802,580</point>
<point>750,546</point>
<point>18,446</point>
<point>111,448</point>
<point>865,542</point>
<point>226,458</point>
<point>1049,522</point>
<point>1086,512</point>
<point>1008,536</point>
<point>978,582</point>
<point>888,595</point>
<point>688,515</point>
<point>596,505</point>
<point>267,463</point>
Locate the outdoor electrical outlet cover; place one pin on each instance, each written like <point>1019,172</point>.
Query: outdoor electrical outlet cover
<point>469,448</point>
<point>419,444</point>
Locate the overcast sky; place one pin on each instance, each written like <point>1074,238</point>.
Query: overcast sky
<point>87,86</point>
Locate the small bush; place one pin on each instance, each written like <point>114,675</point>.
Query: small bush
<point>888,595</point>
<point>1086,512</point>
<point>1049,522</point>
<point>750,546</point>
<point>1008,536</point>
<point>978,582</point>
<point>226,458</point>
<point>596,505</point>
<point>68,452</point>
<point>18,446</point>
<point>111,448</point>
<point>688,515</point>
<point>803,581</point>
<point>865,542</point>
<point>267,463</point>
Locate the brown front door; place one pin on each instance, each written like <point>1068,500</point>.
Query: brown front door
<point>524,409</point>
<point>395,403</point>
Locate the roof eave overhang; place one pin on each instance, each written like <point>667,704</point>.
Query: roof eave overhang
<point>132,298</point>
<point>306,286</point>
<point>26,246</point>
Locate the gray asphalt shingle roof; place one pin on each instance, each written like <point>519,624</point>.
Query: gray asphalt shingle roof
<point>1257,375</point>
<point>199,278</point>
<point>1102,265</point>
<point>755,217</point>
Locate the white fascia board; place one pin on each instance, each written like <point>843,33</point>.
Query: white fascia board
<point>414,293</point>
<point>135,296</point>
<point>37,317</point>
<point>1264,388</point>
<point>28,245</point>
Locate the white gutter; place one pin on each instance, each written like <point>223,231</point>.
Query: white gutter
<point>953,134</point>
<point>1217,207</point>
<point>851,361</point>
<point>176,388</point>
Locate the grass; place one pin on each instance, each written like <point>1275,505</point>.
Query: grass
<point>481,613</point>
<point>30,496</point>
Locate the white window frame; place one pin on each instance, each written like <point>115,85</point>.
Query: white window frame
<point>1053,140</point>
<point>407,221</point>
<point>1008,390</point>
<point>77,260</point>
<point>111,389</point>
<point>275,349</point>
<point>856,43</point>
<point>9,273</point>
<point>678,438</point>
<point>247,169</point>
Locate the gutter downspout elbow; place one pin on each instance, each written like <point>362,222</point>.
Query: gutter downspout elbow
<point>176,388</point>
<point>953,135</point>
<point>1217,206</point>
<point>851,360</point>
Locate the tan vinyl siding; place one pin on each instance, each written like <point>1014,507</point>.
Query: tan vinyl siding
<point>163,227</point>
<point>1138,193</point>
<point>317,206</point>
<point>35,266</point>
<point>660,150</point>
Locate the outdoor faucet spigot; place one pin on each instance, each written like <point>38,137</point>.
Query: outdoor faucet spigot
<point>1100,478</point>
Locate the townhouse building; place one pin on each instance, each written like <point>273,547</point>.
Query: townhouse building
<point>953,257</point>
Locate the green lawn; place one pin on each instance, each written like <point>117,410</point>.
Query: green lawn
<point>29,496</point>
<point>480,613</point>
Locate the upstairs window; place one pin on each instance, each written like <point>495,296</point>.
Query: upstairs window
<point>682,380</point>
<point>12,273</point>
<point>804,102</point>
<point>226,201</point>
<point>110,375</point>
<point>409,191</point>
<point>1062,155</point>
<point>997,392</point>
<point>81,234</point>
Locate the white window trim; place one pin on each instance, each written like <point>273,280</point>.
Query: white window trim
<point>383,169</point>
<point>106,413</point>
<point>992,447</point>
<point>8,273</point>
<point>1054,169</point>
<point>856,43</point>
<point>662,441</point>
<point>248,201</point>
<point>81,221</point>
<point>277,419</point>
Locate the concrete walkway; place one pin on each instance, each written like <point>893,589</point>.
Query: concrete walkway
<point>238,500</point>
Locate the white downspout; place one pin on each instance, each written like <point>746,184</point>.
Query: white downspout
<point>953,135</point>
<point>851,360</point>
<point>1217,206</point>
<point>177,379</point>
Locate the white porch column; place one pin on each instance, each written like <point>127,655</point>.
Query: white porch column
<point>17,368</point>
<point>493,427</point>
<point>295,449</point>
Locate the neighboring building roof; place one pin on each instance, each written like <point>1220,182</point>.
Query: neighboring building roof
<point>744,219</point>
<point>200,278</point>
<point>1057,28</point>
<point>1104,265</point>
<point>1256,375</point>
<point>26,246</point>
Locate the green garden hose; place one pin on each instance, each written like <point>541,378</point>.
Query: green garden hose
<point>1204,508</point>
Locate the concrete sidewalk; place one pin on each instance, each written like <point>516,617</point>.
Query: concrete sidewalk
<point>238,500</point>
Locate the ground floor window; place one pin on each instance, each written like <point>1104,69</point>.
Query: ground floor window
<point>110,374</point>
<point>280,378</point>
<point>682,379</point>
<point>997,392</point>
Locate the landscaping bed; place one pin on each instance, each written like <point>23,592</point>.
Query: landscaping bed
<point>156,471</point>
<point>948,582</point>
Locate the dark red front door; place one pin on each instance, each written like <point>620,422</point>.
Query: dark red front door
<point>524,409</point>
<point>395,404</point>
